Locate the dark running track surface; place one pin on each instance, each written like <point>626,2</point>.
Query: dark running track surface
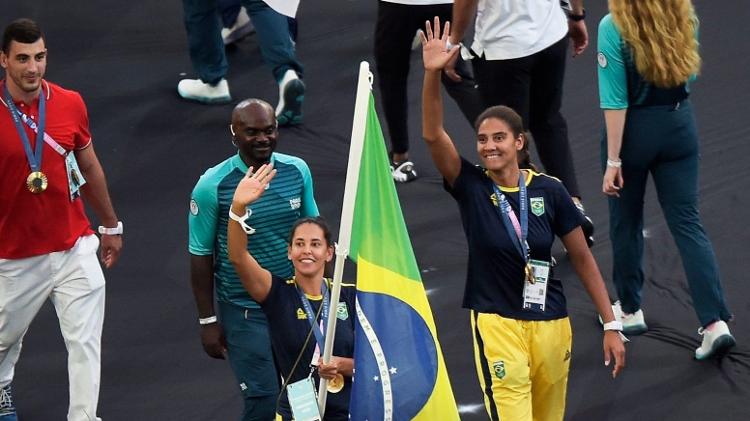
<point>126,58</point>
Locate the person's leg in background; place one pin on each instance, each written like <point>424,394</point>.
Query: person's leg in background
<point>229,10</point>
<point>676,181</point>
<point>393,35</point>
<point>206,53</point>
<point>504,82</point>
<point>626,220</point>
<point>278,51</point>
<point>235,21</point>
<point>548,126</point>
<point>546,123</point>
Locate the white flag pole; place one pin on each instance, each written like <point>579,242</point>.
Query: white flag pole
<point>364,85</point>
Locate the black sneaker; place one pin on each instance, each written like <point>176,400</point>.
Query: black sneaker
<point>588,224</point>
<point>403,172</point>
<point>7,410</point>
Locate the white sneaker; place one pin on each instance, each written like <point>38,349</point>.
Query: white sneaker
<point>291,95</point>
<point>197,90</point>
<point>242,27</point>
<point>716,341</point>
<point>403,172</point>
<point>632,324</point>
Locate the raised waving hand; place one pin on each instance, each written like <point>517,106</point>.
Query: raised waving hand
<point>435,55</point>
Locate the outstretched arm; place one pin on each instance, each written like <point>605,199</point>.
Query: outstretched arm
<point>588,271</point>
<point>255,279</point>
<point>436,57</point>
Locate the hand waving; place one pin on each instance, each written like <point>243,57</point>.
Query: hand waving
<point>253,185</point>
<point>434,53</point>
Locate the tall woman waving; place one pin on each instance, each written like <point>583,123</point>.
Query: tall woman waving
<point>647,54</point>
<point>522,334</point>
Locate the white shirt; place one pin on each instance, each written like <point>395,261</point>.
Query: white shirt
<point>507,29</point>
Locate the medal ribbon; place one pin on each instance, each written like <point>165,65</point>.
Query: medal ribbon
<point>510,221</point>
<point>47,138</point>
<point>34,157</point>
<point>317,329</point>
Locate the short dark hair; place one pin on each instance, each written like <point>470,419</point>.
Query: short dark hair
<point>317,220</point>
<point>21,30</point>
<point>502,113</point>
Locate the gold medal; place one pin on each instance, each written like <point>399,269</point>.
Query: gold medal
<point>529,273</point>
<point>36,182</point>
<point>336,384</point>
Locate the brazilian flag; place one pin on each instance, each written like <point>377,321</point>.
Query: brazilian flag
<point>399,369</point>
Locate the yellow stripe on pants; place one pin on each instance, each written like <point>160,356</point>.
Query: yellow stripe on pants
<point>522,366</point>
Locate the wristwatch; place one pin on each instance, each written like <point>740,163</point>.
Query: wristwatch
<point>577,18</point>
<point>111,231</point>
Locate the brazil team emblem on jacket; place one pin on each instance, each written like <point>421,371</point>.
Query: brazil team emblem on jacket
<point>342,311</point>
<point>301,315</point>
<point>498,367</point>
<point>537,205</point>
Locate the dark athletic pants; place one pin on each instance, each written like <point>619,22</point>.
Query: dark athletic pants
<point>533,87</point>
<point>394,32</point>
<point>251,359</point>
<point>662,140</point>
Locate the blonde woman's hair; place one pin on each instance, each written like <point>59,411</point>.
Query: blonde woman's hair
<point>661,35</point>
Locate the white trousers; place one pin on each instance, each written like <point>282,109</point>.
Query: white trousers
<point>74,282</point>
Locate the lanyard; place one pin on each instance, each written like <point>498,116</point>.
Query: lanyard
<point>311,315</point>
<point>509,219</point>
<point>34,157</point>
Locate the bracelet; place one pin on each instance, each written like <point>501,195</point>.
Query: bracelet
<point>207,320</point>
<point>577,18</point>
<point>111,231</point>
<point>614,164</point>
<point>613,325</point>
<point>241,220</point>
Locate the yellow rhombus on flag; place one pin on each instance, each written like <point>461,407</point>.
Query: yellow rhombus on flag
<point>399,369</point>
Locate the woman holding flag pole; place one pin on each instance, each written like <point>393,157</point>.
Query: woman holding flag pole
<point>297,308</point>
<point>520,325</point>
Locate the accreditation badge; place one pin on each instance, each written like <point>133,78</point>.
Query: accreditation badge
<point>303,400</point>
<point>75,178</point>
<point>535,294</point>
